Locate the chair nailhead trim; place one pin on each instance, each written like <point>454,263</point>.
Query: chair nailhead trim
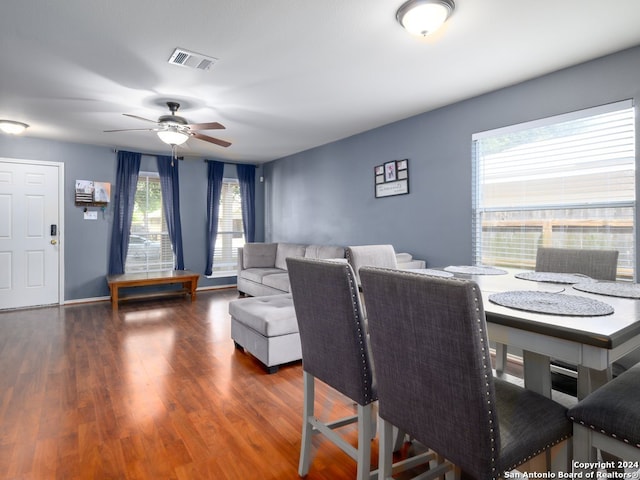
<point>604,432</point>
<point>368,395</point>
<point>547,447</point>
<point>495,474</point>
<point>486,366</point>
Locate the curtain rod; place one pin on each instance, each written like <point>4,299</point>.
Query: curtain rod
<point>115,150</point>
<point>231,163</point>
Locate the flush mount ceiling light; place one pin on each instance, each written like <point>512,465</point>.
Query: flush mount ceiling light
<point>12,127</point>
<point>424,17</point>
<point>173,135</point>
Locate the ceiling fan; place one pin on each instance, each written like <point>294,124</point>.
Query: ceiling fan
<point>175,130</point>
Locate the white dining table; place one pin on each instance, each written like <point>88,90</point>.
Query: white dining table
<point>592,343</point>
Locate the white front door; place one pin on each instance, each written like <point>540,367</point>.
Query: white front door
<point>29,245</point>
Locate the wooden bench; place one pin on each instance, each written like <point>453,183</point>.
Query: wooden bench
<point>189,281</point>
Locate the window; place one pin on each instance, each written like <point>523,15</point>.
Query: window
<point>149,243</point>
<point>230,230</point>
<point>566,181</point>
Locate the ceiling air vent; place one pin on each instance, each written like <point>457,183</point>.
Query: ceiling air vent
<point>185,58</point>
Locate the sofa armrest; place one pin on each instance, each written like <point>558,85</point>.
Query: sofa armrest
<point>406,261</point>
<point>240,260</point>
<point>412,265</point>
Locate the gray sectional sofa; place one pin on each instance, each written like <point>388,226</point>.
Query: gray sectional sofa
<point>262,267</point>
<point>266,326</point>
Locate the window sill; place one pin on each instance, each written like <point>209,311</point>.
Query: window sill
<point>223,274</point>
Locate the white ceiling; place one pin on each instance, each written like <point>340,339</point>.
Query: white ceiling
<point>291,74</point>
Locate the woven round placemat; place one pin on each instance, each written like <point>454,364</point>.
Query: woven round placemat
<point>612,289</point>
<point>553,277</point>
<point>551,303</point>
<point>431,271</point>
<point>475,270</point>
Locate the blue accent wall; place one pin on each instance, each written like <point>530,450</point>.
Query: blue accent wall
<point>326,194</point>
<point>86,242</point>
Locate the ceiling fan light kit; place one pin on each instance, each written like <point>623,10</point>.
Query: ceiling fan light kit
<point>173,136</point>
<point>12,127</point>
<point>424,17</point>
<point>174,130</point>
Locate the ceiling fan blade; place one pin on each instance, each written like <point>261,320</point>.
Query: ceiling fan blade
<point>206,138</point>
<point>206,126</point>
<point>134,130</point>
<point>139,118</point>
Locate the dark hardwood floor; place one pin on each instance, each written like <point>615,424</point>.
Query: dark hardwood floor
<point>155,390</point>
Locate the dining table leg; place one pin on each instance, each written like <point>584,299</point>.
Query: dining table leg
<point>501,357</point>
<point>589,380</point>
<point>537,376</point>
<point>537,372</point>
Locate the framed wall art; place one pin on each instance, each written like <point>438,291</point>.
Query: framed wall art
<point>391,178</point>
<point>90,193</point>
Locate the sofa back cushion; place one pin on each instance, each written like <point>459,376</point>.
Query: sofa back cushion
<point>286,250</point>
<point>259,255</point>
<point>324,252</point>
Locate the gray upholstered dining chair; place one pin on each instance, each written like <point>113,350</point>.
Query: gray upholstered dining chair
<point>433,368</point>
<point>335,350</point>
<point>609,419</point>
<point>370,256</point>
<point>597,264</point>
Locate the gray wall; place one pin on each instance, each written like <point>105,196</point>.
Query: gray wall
<point>326,194</point>
<point>86,242</point>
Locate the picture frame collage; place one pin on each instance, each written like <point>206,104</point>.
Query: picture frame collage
<point>392,178</point>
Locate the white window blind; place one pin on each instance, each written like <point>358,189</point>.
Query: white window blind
<point>230,230</point>
<point>149,242</point>
<point>566,181</point>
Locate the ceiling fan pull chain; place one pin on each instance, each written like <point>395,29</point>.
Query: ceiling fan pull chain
<point>173,153</point>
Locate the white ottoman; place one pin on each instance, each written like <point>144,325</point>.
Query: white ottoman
<point>267,328</point>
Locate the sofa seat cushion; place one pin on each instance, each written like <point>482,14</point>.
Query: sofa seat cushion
<point>277,280</point>
<point>258,274</point>
<point>271,316</point>
<point>286,250</point>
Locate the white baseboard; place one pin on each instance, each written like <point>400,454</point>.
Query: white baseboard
<point>108,299</point>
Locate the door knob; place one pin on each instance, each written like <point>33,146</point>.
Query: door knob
<point>54,242</point>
